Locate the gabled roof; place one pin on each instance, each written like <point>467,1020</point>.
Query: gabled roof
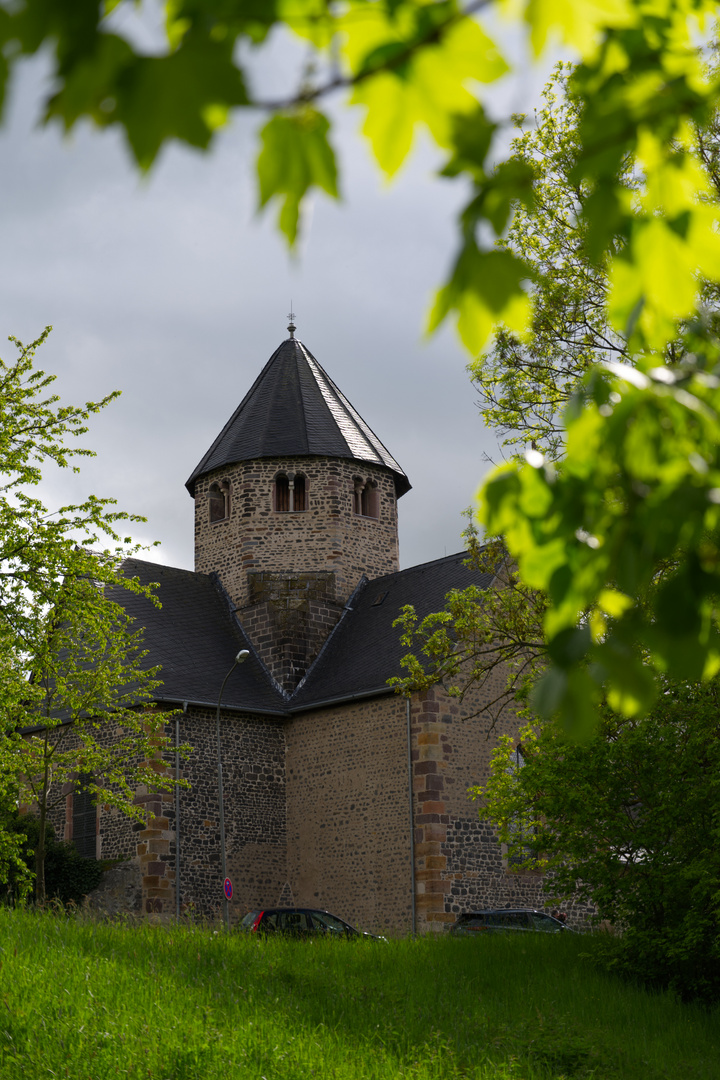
<point>195,636</point>
<point>364,649</point>
<point>294,409</point>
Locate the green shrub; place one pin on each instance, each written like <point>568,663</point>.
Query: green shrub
<point>68,877</point>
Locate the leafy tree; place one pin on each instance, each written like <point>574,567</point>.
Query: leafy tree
<point>629,818</point>
<point>482,631</point>
<point>623,539</point>
<point>415,65</point>
<point>87,721</point>
<point>642,88</point>
<point>72,664</point>
<point>525,380</point>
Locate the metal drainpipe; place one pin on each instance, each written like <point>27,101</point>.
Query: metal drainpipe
<point>177,812</point>
<point>412,816</point>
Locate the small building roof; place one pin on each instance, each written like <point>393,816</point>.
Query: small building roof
<point>294,409</point>
<point>195,636</point>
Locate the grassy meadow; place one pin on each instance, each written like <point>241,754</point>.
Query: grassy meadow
<point>96,1001</point>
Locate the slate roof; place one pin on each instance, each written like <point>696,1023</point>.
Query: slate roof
<point>195,637</point>
<point>364,650</point>
<point>294,409</point>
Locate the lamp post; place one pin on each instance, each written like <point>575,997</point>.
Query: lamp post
<point>239,659</point>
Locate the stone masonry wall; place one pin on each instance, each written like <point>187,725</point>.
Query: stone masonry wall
<point>460,865</point>
<point>253,754</point>
<point>253,751</point>
<point>290,617</point>
<point>348,813</point>
<point>327,537</point>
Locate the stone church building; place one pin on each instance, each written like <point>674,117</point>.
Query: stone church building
<point>338,793</point>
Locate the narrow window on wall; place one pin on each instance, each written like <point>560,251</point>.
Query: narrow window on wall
<point>84,821</point>
<point>517,826</point>
<point>370,500</point>
<point>366,499</point>
<point>219,501</point>
<point>299,493</point>
<point>282,493</point>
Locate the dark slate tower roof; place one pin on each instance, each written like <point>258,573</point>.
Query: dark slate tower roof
<point>294,409</point>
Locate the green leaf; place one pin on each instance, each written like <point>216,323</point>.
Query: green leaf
<point>484,287</point>
<point>190,90</point>
<point>392,112</point>
<point>295,157</point>
<point>570,646</point>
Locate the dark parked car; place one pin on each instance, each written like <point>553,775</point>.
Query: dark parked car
<point>300,923</point>
<point>506,920</point>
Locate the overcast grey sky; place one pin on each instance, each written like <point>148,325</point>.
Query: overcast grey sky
<point>173,291</point>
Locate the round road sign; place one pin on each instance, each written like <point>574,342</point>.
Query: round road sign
<point>227,888</point>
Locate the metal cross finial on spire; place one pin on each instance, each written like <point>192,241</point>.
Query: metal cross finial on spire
<point>291,317</point>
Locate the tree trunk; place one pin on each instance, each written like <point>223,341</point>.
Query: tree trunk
<point>40,858</point>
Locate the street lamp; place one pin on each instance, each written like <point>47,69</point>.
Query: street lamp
<point>239,659</point>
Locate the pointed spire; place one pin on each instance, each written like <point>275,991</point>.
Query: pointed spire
<point>294,409</point>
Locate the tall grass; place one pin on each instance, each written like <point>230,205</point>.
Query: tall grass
<point>99,1001</point>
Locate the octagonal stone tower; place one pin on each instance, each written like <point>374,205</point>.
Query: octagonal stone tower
<point>295,501</point>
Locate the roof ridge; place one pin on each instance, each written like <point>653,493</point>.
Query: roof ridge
<point>237,625</point>
<point>421,566</point>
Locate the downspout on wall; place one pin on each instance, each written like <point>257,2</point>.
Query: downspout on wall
<point>177,811</point>
<point>412,818</point>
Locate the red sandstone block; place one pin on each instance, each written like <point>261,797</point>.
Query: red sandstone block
<point>422,768</point>
<point>436,832</point>
<point>436,862</point>
<point>159,822</point>
<point>159,847</point>
<point>426,901</point>
<point>156,868</point>
<point>433,807</point>
<point>151,882</point>
<point>429,752</point>
<point>438,886</point>
<point>431,848</point>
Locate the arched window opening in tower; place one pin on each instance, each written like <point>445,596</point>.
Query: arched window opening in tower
<point>290,493</point>
<point>219,501</point>
<point>366,498</point>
